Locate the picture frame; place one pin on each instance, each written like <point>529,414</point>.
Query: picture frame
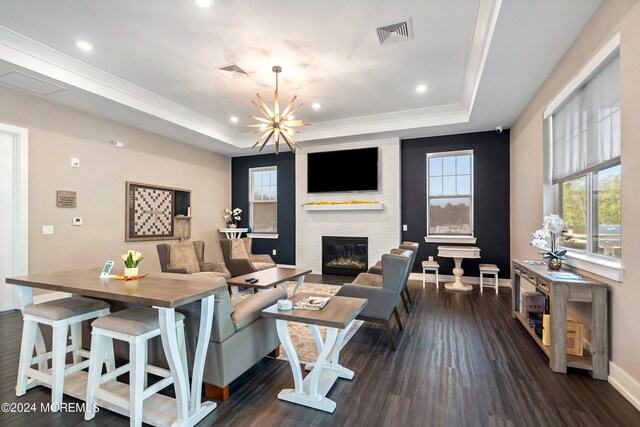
<point>575,334</point>
<point>155,212</point>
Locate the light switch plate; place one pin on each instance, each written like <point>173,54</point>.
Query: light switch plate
<point>404,227</point>
<point>77,221</point>
<point>75,163</point>
<point>273,252</point>
<point>47,229</point>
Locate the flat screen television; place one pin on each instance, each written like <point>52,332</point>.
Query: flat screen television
<point>343,171</point>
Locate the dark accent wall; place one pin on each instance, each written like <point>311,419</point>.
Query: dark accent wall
<point>285,244</point>
<point>490,201</point>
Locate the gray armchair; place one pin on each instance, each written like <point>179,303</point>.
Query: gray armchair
<point>382,301</point>
<point>240,260</point>
<point>364,279</point>
<point>188,258</point>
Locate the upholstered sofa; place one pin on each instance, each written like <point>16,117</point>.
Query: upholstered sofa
<point>240,260</point>
<point>240,336</point>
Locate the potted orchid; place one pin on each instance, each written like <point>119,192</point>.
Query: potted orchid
<point>232,217</point>
<point>131,260</point>
<point>549,239</point>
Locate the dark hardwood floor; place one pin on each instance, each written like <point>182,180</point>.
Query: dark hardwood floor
<point>462,360</point>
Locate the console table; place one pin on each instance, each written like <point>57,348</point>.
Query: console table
<point>233,233</point>
<point>339,313</point>
<point>458,253</point>
<point>559,292</point>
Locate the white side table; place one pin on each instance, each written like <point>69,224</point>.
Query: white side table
<point>458,253</point>
<point>337,314</point>
<point>233,233</point>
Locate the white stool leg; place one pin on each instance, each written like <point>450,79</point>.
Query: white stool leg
<point>424,278</point>
<point>29,330</point>
<point>98,343</point>
<point>138,360</point>
<point>43,365</point>
<point>109,356</point>
<point>437,280</point>
<point>481,284</point>
<point>60,335</point>
<point>496,283</point>
<point>76,340</point>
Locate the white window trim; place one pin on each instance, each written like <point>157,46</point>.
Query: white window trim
<point>452,238</point>
<point>596,265</point>
<point>584,74</point>
<point>251,202</point>
<point>604,267</point>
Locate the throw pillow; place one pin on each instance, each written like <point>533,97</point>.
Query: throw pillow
<point>183,255</point>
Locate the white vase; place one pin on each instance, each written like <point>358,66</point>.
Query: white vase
<point>233,226</point>
<point>131,271</point>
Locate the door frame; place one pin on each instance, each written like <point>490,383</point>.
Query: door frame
<point>21,202</point>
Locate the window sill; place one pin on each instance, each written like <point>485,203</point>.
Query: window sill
<point>609,269</point>
<point>262,235</point>
<point>450,239</point>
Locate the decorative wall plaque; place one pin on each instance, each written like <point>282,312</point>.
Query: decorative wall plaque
<point>66,199</point>
<point>151,212</point>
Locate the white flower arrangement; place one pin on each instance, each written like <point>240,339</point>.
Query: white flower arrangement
<point>232,216</point>
<point>549,238</point>
<point>132,258</point>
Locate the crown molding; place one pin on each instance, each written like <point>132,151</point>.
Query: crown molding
<point>35,56</point>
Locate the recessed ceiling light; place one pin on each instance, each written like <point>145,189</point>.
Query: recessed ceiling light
<point>315,106</point>
<point>234,119</point>
<point>421,88</point>
<point>86,46</point>
<point>204,3</point>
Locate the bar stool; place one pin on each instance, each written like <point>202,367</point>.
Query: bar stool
<point>490,270</point>
<point>430,265</point>
<point>62,315</point>
<point>135,326</point>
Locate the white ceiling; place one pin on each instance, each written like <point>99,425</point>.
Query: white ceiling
<point>153,62</point>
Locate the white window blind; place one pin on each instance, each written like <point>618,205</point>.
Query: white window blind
<point>586,129</point>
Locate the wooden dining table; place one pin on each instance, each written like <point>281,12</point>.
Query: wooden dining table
<point>163,292</point>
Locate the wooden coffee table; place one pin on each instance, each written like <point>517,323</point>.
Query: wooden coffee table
<point>268,279</point>
<point>337,314</point>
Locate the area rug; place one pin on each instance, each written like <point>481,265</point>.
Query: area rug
<point>301,335</point>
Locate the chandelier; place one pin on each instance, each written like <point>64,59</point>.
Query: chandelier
<point>274,123</point>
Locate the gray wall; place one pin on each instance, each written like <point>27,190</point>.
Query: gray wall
<point>57,133</point>
<point>527,166</point>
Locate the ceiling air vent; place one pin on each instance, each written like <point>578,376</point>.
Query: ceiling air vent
<point>232,71</point>
<point>394,33</point>
<point>29,83</point>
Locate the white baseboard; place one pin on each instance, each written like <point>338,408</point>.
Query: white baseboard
<point>49,296</point>
<point>625,384</point>
<point>471,280</point>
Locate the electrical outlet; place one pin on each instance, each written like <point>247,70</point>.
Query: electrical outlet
<point>75,163</point>
<point>273,252</point>
<point>47,229</point>
<point>404,227</point>
<point>77,221</point>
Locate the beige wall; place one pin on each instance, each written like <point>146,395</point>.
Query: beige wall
<point>527,167</point>
<point>57,133</point>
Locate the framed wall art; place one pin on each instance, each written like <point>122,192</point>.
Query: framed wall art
<point>156,213</point>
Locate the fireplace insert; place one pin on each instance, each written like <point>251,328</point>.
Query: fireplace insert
<point>344,255</point>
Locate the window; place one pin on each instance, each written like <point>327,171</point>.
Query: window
<point>263,203</point>
<point>585,135</point>
<point>450,194</point>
